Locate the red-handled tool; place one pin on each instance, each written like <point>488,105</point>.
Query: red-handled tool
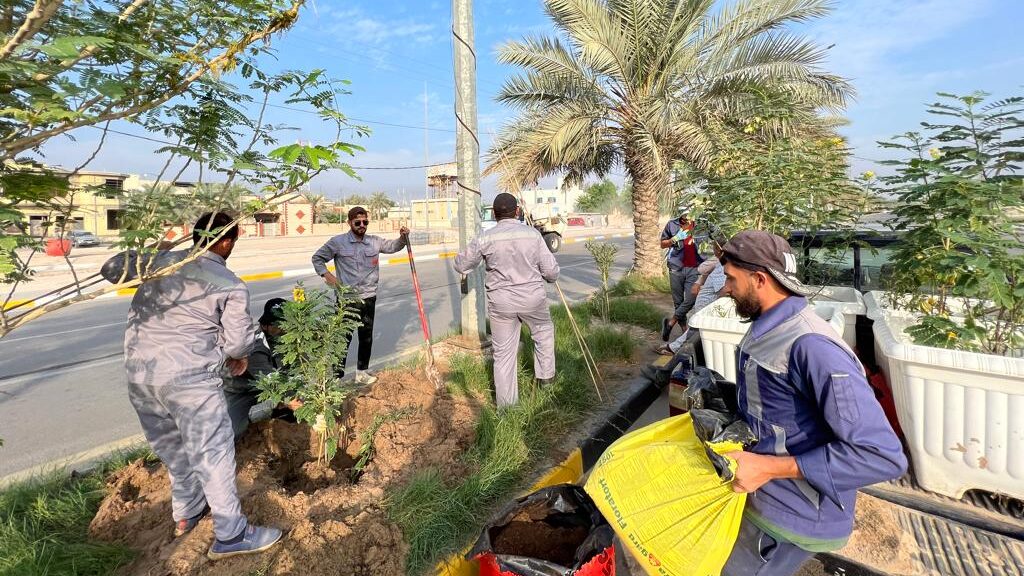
<point>432,373</point>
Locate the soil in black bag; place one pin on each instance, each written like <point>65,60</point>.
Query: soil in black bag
<point>538,539</point>
<point>553,531</point>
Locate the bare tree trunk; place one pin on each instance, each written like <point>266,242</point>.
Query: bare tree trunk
<point>648,183</point>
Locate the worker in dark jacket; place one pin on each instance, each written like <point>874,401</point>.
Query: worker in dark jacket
<point>821,433</point>
<point>240,391</point>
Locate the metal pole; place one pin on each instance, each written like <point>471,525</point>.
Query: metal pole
<point>467,155</point>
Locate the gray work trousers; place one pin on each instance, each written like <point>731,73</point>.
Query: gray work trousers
<point>188,428</point>
<point>683,298</point>
<point>758,554</point>
<point>507,312</point>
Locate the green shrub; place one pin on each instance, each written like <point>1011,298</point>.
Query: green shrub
<point>958,262</point>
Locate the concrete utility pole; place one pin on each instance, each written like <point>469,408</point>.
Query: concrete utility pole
<point>467,155</point>
<point>426,157</point>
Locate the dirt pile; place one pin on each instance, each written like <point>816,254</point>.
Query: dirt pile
<point>332,526</point>
<point>879,540</point>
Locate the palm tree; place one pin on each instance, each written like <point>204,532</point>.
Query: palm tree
<point>316,202</point>
<point>378,204</point>
<point>646,83</point>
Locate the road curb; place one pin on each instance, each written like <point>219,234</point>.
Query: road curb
<point>305,271</point>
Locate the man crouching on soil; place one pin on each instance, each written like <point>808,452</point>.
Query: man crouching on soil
<point>821,433</point>
<point>182,330</point>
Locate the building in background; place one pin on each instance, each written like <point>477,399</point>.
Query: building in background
<point>442,180</point>
<point>435,213</point>
<point>399,213</point>
<point>93,203</point>
<point>560,199</point>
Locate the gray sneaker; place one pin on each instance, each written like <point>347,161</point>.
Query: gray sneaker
<point>364,378</point>
<point>254,539</point>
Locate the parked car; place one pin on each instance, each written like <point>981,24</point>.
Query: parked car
<point>83,238</point>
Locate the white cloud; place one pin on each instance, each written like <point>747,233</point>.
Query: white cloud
<point>375,31</point>
<point>874,38</point>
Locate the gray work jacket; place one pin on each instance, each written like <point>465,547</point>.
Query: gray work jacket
<point>356,260</point>
<point>182,327</point>
<point>514,255</point>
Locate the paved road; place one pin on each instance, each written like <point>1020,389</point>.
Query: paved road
<point>62,387</point>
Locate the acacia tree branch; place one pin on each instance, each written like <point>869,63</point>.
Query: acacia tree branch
<point>89,50</point>
<point>216,64</point>
<point>34,21</point>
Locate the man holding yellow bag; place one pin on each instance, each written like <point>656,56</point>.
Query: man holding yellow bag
<point>821,433</point>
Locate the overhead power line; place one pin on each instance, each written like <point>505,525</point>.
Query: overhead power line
<point>165,142</point>
<point>364,120</point>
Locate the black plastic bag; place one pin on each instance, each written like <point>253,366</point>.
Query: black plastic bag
<point>552,532</point>
<point>714,409</point>
<point>708,389</point>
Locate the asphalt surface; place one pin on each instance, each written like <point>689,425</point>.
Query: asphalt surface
<point>62,383</point>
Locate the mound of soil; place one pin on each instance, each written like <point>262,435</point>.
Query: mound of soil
<point>879,540</point>
<point>332,526</point>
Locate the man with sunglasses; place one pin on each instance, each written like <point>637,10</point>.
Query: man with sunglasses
<point>821,433</point>
<point>356,257</point>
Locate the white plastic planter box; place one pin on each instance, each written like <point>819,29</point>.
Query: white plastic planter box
<point>962,412</point>
<point>847,300</point>
<point>721,331</point>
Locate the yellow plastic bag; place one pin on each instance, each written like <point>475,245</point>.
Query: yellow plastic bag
<point>661,494</point>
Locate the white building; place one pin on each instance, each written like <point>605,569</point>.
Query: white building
<point>562,198</point>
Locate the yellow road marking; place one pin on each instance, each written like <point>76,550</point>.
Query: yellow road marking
<point>261,276</point>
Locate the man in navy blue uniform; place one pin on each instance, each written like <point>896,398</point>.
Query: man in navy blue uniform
<point>821,433</point>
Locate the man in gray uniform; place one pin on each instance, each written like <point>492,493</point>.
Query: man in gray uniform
<point>183,329</point>
<point>356,257</point>
<point>518,263</point>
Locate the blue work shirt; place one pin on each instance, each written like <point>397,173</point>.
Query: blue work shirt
<point>812,403</point>
<point>675,255</point>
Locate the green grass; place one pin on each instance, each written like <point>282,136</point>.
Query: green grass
<point>610,344</point>
<point>44,523</point>
<point>633,284</point>
<point>468,375</point>
<point>635,312</point>
<point>439,516</point>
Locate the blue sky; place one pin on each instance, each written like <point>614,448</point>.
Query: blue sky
<point>897,54</point>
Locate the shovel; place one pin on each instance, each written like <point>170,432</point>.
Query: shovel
<point>432,373</point>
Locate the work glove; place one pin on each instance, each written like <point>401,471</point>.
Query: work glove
<point>681,236</point>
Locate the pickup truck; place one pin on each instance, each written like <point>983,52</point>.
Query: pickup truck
<point>547,221</point>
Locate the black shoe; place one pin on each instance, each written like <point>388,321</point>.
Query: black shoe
<point>666,329</point>
<point>545,382</point>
